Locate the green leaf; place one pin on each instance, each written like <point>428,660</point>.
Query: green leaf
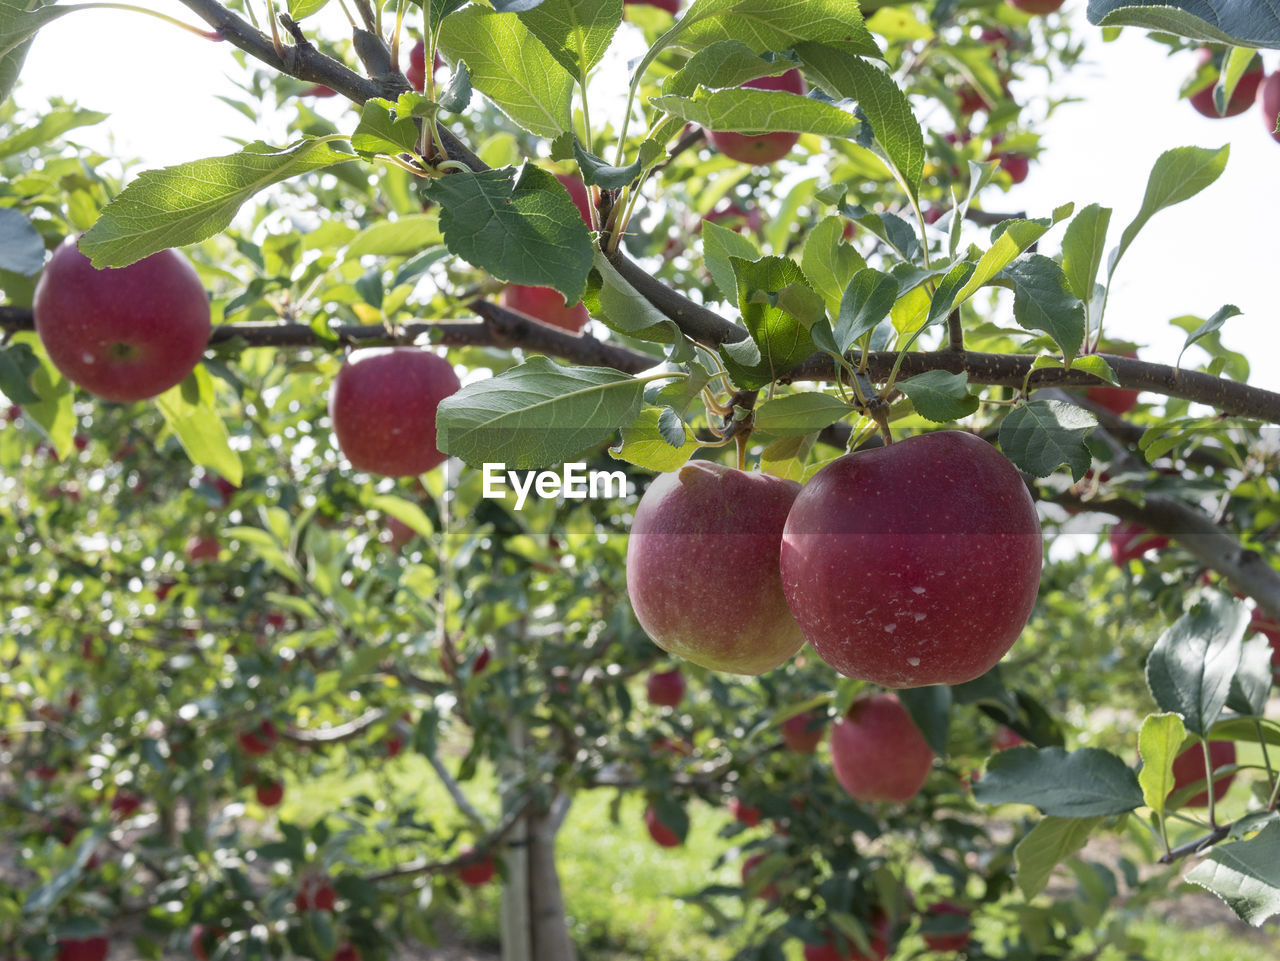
<point>537,414</point>
<point>940,396</point>
<point>1042,300</point>
<point>50,127</point>
<point>1251,685</point>
<point>188,409</point>
<point>750,111</point>
<point>643,444</point>
<point>53,412</point>
<point>1086,783</point>
<point>1082,247</point>
<point>727,64</point>
<point>1177,175</point>
<point>795,415</point>
<point>782,339</point>
<point>19,22</point>
<point>1210,326</point>
<point>866,301</point>
<point>1045,846</point>
<point>828,262</point>
<point>18,363</point>
<point>786,456</point>
<point>1246,875</point>
<point>511,67</point>
<point>1041,436</point>
<point>1016,237</point>
<point>624,310</point>
<point>1190,669</point>
<point>719,246</point>
<point>299,9</point>
<point>896,129</point>
<point>575,32</point>
<point>526,232</point>
<point>1159,742</point>
<point>383,130</point>
<point>944,298</point>
<point>21,246</point>
<point>930,709</point>
<point>404,511</point>
<point>1253,24</point>
<point>766,25</point>
<point>194,201</point>
<point>672,815</point>
<point>407,235</point>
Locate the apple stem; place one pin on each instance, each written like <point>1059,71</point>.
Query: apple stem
<point>215,36</point>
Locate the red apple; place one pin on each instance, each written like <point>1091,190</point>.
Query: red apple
<point>578,194</point>
<point>346,952</point>
<point>383,407</point>
<point>203,940</point>
<point>803,732</point>
<point>1005,738</point>
<point>660,833</point>
<point>955,941</point>
<point>393,745</point>
<point>703,519</point>
<point>478,872</point>
<point>839,948</point>
<point>971,100</point>
<point>1269,101</point>
<point>83,949</point>
<point>126,333</point>
<point>1261,624</point>
<point>416,73</point>
<point>1016,165</point>
<point>761,148</point>
<point>315,893</point>
<point>1129,541</point>
<point>767,893</point>
<point>125,803</point>
<point>270,793</point>
<point>877,751</point>
<point>1118,400</point>
<point>202,547</point>
<point>1241,98</point>
<point>916,563</point>
<point>743,812</point>
<point>258,740</point>
<point>319,90</point>
<point>1188,767</point>
<point>545,304</point>
<point>397,533</point>
<point>665,688</point>
<point>671,6</point>
<point>1037,7</point>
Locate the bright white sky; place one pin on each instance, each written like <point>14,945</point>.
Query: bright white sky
<point>160,85</point>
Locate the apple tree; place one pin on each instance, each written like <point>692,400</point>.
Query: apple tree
<point>269,525</point>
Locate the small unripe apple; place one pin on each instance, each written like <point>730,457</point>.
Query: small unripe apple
<point>744,812</point>
<point>1036,7</point>
<point>1269,101</point>
<point>478,872</point>
<point>767,893</point>
<point>916,563</point>
<point>125,333</point>
<point>665,688</point>
<point>259,740</point>
<point>661,834</point>
<point>83,949</point>
<point>761,148</point>
<point>803,732</point>
<point>955,941</point>
<point>1188,768</point>
<point>1241,98</point>
<point>1130,541</point>
<point>877,751</point>
<point>383,407</point>
<point>691,525</point>
<point>270,793</point>
<point>545,304</point>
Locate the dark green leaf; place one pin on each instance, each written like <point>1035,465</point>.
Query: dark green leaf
<point>1215,21</point>
<point>1191,667</point>
<point>1246,875</point>
<point>1085,783</point>
<point>867,300</point>
<point>1045,846</point>
<point>930,709</point>
<point>1041,436</point>
<point>940,396</point>
<point>1043,300</point>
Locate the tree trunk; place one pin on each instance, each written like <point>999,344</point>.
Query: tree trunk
<point>551,940</point>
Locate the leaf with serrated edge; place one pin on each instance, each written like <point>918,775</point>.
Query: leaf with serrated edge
<point>643,445</point>
<point>199,428</point>
<point>1254,24</point>
<point>828,263</point>
<point>1083,245</point>
<point>1043,301</point>
<point>719,245</point>
<point>1046,845</point>
<point>940,396</point>
<point>575,32</point>
<point>799,414</point>
<point>1246,875</point>
<point>1251,686</point>
<point>1088,782</point>
<point>1041,436</point>
<point>537,414</point>
<point>1158,743</point>
<point>1189,670</point>
<point>191,202</point>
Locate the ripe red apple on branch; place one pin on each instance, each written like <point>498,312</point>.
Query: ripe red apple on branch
<point>954,941</point>
<point>123,334</point>
<point>837,947</point>
<point>546,305</point>
<point>916,563</point>
<point>665,688</point>
<point>1189,767</point>
<point>761,148</point>
<point>1129,541</point>
<point>877,751</point>
<point>1037,7</point>
<point>83,949</point>
<point>661,834</point>
<point>383,407</point>
<point>1269,102</point>
<point>477,872</point>
<point>692,523</point>
<point>802,732</point>
<point>1241,98</point>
